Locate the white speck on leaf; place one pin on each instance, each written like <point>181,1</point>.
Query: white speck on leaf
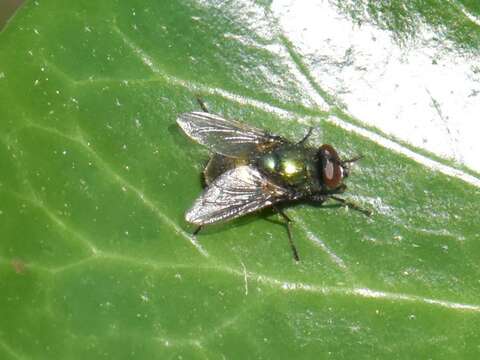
<point>106,304</point>
<point>354,328</point>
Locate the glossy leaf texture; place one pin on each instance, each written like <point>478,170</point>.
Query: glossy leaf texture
<point>96,260</point>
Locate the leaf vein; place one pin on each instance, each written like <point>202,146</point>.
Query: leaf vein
<point>124,183</point>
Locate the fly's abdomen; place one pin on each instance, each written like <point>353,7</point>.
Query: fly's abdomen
<point>219,164</point>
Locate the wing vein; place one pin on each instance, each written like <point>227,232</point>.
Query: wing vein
<point>237,192</point>
<point>226,137</point>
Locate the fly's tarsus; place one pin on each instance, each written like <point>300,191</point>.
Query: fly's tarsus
<point>287,223</point>
<point>352,205</point>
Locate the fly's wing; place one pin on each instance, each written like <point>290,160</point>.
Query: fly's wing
<point>227,137</point>
<point>236,192</point>
<point>218,164</point>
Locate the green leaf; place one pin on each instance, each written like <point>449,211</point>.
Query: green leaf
<point>96,260</point>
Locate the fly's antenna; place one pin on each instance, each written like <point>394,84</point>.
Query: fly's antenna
<point>343,164</point>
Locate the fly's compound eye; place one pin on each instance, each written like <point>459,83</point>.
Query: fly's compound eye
<point>332,172</point>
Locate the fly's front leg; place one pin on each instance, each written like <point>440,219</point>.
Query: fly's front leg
<point>318,198</point>
<point>351,205</point>
<point>202,104</point>
<point>289,232</point>
<point>340,190</point>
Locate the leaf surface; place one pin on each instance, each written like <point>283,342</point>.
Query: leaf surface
<point>96,259</point>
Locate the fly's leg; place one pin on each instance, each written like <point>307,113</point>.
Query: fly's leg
<point>202,104</point>
<point>197,230</point>
<point>351,205</point>
<point>318,198</point>
<point>305,138</point>
<point>289,232</point>
<point>354,159</point>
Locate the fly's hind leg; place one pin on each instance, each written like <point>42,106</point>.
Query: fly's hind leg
<point>197,230</point>
<point>202,104</point>
<point>289,232</point>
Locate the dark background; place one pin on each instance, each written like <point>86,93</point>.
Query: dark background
<point>7,9</point>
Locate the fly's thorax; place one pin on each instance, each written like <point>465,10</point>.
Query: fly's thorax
<point>290,164</point>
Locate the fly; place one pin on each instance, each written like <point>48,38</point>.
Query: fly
<point>251,169</point>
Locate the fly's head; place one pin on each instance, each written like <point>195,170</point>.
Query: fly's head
<point>332,170</point>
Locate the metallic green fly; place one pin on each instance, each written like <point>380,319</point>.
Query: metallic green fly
<point>251,169</point>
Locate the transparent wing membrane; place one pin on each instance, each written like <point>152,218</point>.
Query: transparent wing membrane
<point>227,137</point>
<point>237,192</point>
